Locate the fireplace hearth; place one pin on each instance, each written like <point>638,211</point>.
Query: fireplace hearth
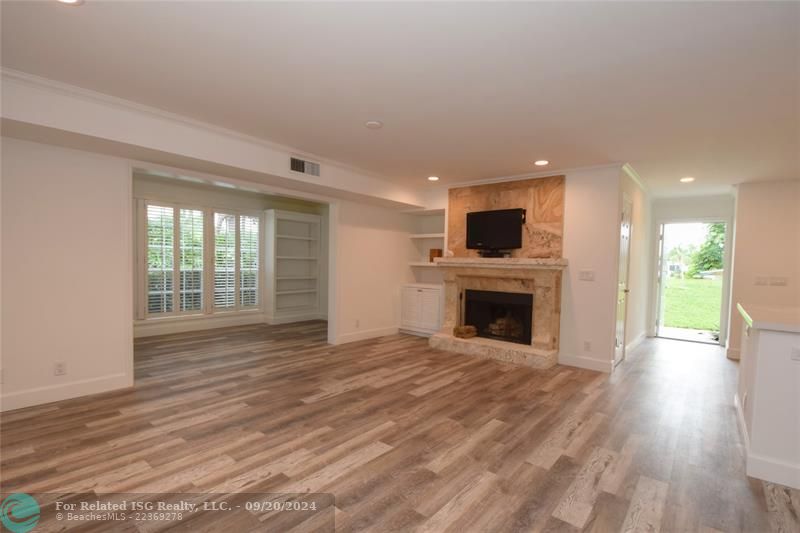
<point>504,316</point>
<point>538,281</point>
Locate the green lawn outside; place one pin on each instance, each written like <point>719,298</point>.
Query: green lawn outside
<point>692,303</point>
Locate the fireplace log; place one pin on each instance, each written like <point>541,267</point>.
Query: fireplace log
<point>465,332</point>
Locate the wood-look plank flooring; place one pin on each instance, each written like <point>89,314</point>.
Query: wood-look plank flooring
<point>410,438</point>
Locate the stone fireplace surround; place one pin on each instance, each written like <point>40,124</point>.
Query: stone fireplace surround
<point>540,277</point>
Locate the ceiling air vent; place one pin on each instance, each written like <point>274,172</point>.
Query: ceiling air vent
<point>306,167</point>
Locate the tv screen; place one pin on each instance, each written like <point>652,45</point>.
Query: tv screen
<point>495,230</point>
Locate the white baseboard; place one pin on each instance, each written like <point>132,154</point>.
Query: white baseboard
<point>288,319</point>
<point>65,391</point>
<point>773,471</point>
<point>418,332</point>
<point>635,342</point>
<point>366,334</point>
<point>586,362</point>
<point>180,325</point>
<point>733,354</point>
<point>766,468</point>
<point>742,425</point>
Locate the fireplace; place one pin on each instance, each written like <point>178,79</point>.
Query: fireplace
<point>505,316</point>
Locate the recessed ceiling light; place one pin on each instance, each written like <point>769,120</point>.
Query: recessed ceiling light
<point>374,124</point>
<point>687,179</point>
<point>433,178</point>
<point>541,162</point>
<point>71,2</point>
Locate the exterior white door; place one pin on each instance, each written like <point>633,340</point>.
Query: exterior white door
<point>622,279</point>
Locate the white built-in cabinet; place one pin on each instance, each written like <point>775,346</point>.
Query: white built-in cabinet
<point>292,245</point>
<point>421,311</point>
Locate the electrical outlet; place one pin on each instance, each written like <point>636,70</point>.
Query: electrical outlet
<point>795,355</point>
<point>778,281</point>
<point>587,346</point>
<point>586,275</point>
<point>59,368</point>
<point>358,323</point>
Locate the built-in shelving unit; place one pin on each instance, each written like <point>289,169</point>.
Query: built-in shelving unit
<point>293,270</point>
<point>420,311</point>
<point>428,233</point>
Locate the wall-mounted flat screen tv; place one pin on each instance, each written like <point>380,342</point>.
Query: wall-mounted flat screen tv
<point>495,230</point>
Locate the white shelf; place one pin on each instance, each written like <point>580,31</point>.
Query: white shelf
<point>297,307</point>
<point>296,238</point>
<point>293,264</point>
<point>426,264</point>
<point>428,236</point>
<point>296,291</point>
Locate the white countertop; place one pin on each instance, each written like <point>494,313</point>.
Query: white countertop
<point>772,318</point>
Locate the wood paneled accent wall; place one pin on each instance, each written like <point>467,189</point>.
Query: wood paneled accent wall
<point>543,198</point>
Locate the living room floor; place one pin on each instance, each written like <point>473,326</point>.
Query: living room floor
<point>407,437</point>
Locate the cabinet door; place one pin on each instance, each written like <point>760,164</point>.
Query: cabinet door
<point>411,309</point>
<point>430,302</point>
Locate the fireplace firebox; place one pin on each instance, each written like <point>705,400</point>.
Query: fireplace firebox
<point>505,316</point>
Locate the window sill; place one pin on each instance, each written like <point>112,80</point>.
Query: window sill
<point>184,323</point>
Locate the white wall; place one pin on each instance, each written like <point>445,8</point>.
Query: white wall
<point>639,273</point>
<point>66,273</point>
<point>372,250</point>
<point>63,113</point>
<point>693,208</point>
<point>591,242</point>
<point>766,245</point>
<point>187,192</point>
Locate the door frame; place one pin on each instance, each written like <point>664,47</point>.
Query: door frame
<point>724,319</point>
<point>627,204</point>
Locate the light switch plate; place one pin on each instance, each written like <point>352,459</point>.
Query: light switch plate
<point>586,275</point>
<point>778,281</point>
<point>762,280</point>
<point>795,355</point>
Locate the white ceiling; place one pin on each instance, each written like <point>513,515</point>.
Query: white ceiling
<point>466,91</point>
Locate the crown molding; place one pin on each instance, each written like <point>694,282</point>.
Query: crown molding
<point>628,169</point>
<point>39,82</point>
<point>531,175</point>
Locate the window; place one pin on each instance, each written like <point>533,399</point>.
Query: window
<point>160,263</point>
<point>248,261</point>
<point>191,260</point>
<point>224,261</point>
<point>200,261</point>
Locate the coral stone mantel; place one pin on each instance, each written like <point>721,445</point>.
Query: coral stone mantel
<point>539,277</point>
<point>500,263</point>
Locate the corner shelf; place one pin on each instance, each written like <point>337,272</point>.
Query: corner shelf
<point>428,236</point>
<point>423,264</point>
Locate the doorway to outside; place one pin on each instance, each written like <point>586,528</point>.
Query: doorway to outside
<point>691,281</point>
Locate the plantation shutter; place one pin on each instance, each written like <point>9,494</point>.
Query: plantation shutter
<point>160,259</point>
<point>248,261</point>
<point>191,260</point>
<point>224,261</point>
